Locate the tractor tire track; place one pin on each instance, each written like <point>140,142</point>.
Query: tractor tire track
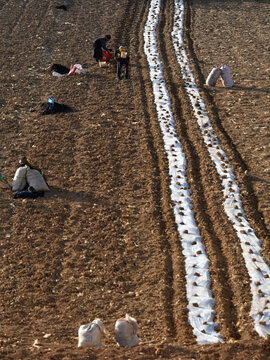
<point>158,182</point>
<point>31,16</point>
<point>10,15</point>
<point>136,14</point>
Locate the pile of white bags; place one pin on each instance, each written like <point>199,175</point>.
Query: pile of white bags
<point>125,332</point>
<point>216,72</point>
<point>25,175</point>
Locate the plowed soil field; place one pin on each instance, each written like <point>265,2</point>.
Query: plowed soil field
<point>103,242</point>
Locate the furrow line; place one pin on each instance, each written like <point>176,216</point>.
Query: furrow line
<point>140,82</point>
<point>11,13</point>
<point>136,14</point>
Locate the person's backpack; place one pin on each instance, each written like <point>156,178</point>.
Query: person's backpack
<point>123,53</point>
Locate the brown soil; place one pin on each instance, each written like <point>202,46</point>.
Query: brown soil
<point>103,242</point>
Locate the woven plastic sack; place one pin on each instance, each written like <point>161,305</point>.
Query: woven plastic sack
<point>90,334</point>
<point>126,331</point>
<point>226,76</point>
<point>19,180</point>
<point>36,180</point>
<point>212,78</point>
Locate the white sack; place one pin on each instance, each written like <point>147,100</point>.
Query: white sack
<point>36,180</point>
<point>226,76</point>
<point>90,334</point>
<point>212,78</point>
<point>19,180</point>
<point>126,331</point>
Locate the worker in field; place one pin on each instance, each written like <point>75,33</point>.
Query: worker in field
<point>100,45</point>
<point>122,57</point>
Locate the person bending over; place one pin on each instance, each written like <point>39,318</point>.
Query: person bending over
<point>99,46</point>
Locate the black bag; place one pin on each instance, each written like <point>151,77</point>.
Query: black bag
<point>61,69</point>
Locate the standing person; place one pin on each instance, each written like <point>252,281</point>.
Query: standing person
<point>122,58</point>
<point>100,45</point>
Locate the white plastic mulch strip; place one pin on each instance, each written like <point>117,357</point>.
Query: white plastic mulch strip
<point>259,271</point>
<point>199,296</point>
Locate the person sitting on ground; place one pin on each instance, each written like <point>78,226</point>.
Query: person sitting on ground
<point>122,58</point>
<point>99,46</point>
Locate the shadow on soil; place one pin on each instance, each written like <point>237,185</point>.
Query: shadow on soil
<point>242,88</point>
<point>199,2</point>
<point>76,196</point>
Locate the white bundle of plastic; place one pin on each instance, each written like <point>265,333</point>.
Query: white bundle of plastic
<point>212,78</point>
<point>76,69</point>
<point>226,76</point>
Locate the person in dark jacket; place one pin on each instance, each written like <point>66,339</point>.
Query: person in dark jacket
<point>100,45</point>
